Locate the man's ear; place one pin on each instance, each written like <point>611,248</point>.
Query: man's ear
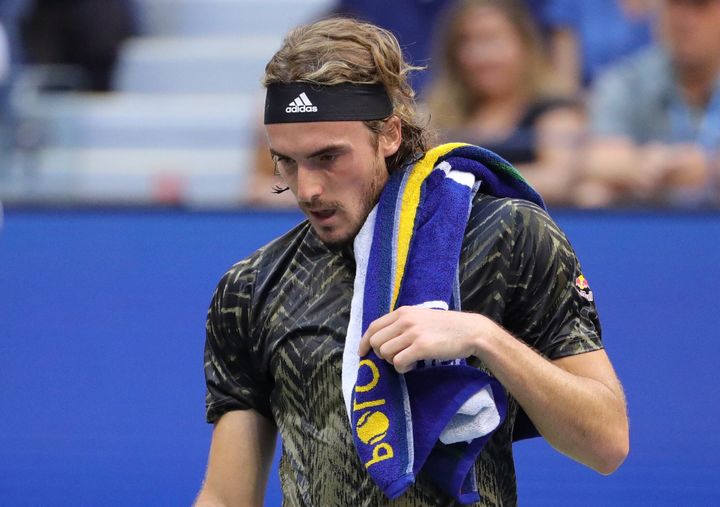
<point>390,137</point>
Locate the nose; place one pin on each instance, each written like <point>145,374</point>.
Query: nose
<point>309,184</point>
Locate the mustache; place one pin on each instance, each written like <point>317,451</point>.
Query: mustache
<point>319,205</point>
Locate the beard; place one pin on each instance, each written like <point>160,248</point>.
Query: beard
<point>368,198</point>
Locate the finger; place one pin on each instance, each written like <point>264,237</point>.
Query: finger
<point>373,338</point>
<point>381,322</point>
<point>364,346</point>
<point>384,335</point>
<point>405,360</point>
<point>390,348</point>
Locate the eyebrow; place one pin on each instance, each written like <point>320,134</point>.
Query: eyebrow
<point>322,151</point>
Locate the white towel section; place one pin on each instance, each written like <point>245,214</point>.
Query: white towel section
<point>477,417</point>
<point>351,360</point>
<point>464,178</point>
<point>434,305</point>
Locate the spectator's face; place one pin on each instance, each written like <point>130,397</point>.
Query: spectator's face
<point>336,170</point>
<point>490,55</point>
<point>691,30</point>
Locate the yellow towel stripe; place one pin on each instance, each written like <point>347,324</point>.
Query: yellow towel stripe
<point>408,208</point>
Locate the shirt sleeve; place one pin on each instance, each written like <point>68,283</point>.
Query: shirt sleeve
<point>552,306</point>
<point>234,372</point>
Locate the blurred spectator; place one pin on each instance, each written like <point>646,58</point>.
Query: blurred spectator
<point>492,88</point>
<point>656,117</point>
<point>83,33</point>
<point>413,22</point>
<point>586,36</point>
<point>10,11</point>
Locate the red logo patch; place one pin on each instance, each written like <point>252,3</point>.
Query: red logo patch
<point>583,288</point>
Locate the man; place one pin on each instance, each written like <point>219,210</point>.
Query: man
<point>277,323</point>
<point>655,117</point>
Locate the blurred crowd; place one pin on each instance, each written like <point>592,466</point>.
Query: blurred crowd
<point>598,102</point>
<point>82,35</point>
<point>76,42</point>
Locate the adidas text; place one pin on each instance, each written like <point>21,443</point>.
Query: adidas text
<point>301,104</point>
<point>301,109</point>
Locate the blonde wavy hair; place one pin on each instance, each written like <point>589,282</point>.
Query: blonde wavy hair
<point>449,100</point>
<point>341,50</point>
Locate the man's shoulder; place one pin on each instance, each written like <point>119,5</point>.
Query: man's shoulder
<point>508,224</point>
<point>490,213</point>
<point>647,69</point>
<point>630,98</point>
<point>265,258</point>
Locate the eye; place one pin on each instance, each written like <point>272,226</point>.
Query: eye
<point>327,158</point>
<point>283,165</point>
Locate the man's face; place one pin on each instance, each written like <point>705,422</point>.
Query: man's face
<point>691,30</point>
<point>336,170</point>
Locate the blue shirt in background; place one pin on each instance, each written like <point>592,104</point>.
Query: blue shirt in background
<point>605,32</point>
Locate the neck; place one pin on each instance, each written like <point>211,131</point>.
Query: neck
<point>697,82</point>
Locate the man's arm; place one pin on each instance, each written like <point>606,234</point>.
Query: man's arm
<point>241,453</point>
<point>576,402</point>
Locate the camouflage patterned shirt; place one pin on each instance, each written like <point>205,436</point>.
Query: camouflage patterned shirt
<point>277,323</point>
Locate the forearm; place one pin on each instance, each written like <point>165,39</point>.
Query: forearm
<point>241,454</point>
<point>580,416</point>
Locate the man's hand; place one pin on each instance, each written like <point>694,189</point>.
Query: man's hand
<point>575,402</point>
<point>409,334</point>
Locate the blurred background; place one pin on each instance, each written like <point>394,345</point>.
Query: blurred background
<point>134,172</point>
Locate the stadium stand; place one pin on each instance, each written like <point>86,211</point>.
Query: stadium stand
<point>177,128</point>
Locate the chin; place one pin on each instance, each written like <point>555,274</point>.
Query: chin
<point>336,240</point>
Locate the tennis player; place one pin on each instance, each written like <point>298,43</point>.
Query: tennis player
<point>340,117</point>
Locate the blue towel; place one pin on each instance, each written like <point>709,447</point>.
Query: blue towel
<point>437,417</point>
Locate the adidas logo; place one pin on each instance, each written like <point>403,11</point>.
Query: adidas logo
<point>301,104</point>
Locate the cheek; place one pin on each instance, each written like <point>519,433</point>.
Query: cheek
<point>367,190</point>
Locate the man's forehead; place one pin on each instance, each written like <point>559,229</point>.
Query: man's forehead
<point>310,136</point>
